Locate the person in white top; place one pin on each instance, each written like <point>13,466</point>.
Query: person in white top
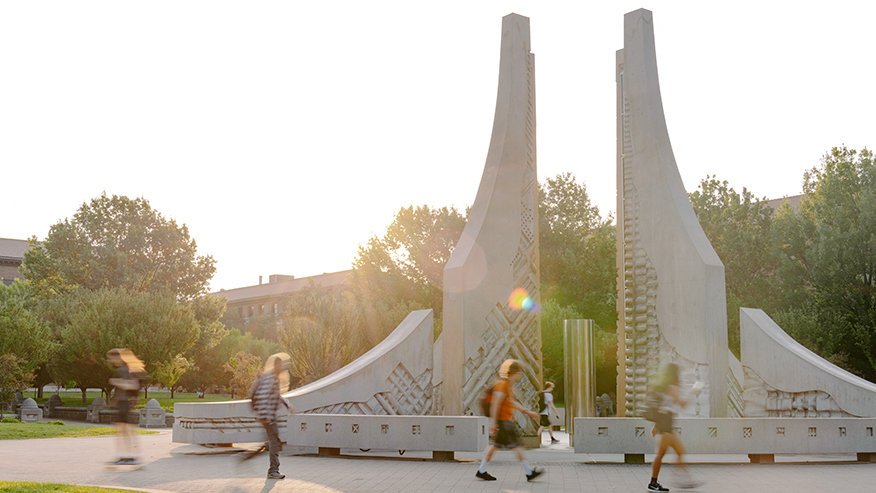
<point>546,405</point>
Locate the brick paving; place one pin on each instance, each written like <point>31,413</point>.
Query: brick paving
<point>171,467</point>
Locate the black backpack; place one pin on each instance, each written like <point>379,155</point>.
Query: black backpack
<point>541,403</point>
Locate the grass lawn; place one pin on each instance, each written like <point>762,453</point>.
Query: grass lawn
<point>74,399</point>
<point>21,431</point>
<point>24,487</point>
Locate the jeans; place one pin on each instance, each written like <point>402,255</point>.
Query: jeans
<point>274,445</point>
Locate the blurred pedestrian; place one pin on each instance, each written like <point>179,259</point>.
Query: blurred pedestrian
<point>545,406</point>
<point>267,398</point>
<point>502,432</point>
<point>130,372</point>
<point>665,399</point>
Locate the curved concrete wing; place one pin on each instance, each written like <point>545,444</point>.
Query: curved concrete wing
<point>394,377</point>
<point>671,292</point>
<point>498,250</point>
<point>798,382</point>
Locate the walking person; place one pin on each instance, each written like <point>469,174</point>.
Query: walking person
<point>502,431</point>
<point>545,406</point>
<point>266,401</point>
<point>666,398</point>
<point>130,370</point>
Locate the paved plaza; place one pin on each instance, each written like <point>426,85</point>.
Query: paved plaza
<point>183,468</point>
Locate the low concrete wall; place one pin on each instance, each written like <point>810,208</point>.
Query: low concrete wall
<point>753,436</point>
<point>442,435</point>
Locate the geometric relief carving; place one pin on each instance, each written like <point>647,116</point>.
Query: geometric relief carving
<point>406,395</point>
<point>762,399</point>
<point>509,333</point>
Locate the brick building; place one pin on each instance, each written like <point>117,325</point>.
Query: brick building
<point>11,256</point>
<point>266,299</point>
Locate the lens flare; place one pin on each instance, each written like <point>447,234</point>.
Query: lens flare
<point>520,300</point>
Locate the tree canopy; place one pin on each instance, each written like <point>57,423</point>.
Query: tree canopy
<point>22,334</point>
<point>89,323</point>
<point>739,227</point>
<point>828,257</point>
<point>118,242</point>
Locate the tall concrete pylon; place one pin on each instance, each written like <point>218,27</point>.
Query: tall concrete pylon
<point>498,250</point>
<point>671,292</point>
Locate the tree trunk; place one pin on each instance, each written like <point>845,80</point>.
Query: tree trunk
<point>84,397</point>
<point>40,392</point>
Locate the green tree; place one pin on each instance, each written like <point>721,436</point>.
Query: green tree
<point>89,323</point>
<point>320,331</point>
<point>22,333</point>
<point>604,348</point>
<point>738,226</point>
<point>168,373</point>
<point>245,369</point>
<point>118,242</point>
<point>209,365</point>
<point>577,251</point>
<point>406,265</point>
<point>828,258</point>
<point>13,376</point>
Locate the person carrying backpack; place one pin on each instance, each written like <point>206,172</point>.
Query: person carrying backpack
<point>662,402</point>
<point>545,405</point>
<point>502,433</point>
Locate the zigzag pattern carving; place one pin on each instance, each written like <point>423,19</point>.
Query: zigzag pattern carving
<point>408,395</point>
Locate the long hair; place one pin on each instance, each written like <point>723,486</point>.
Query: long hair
<point>283,377</point>
<point>134,364</point>
<point>668,376</point>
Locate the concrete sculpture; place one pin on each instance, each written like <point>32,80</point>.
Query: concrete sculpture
<point>406,374</point>
<point>672,302</point>
<point>498,250</point>
<point>394,377</point>
<point>784,379</point>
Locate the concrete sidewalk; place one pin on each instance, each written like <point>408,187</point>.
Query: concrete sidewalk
<point>171,467</point>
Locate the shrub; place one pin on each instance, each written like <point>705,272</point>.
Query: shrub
<point>9,419</point>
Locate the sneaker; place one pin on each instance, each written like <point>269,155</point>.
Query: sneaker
<point>535,473</point>
<point>656,487</point>
<point>275,475</point>
<point>485,476</point>
<point>554,440</point>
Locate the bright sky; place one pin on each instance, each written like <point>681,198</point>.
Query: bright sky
<point>284,134</point>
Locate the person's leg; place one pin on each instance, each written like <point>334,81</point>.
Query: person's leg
<point>122,449</point>
<point>274,446</point>
<point>662,445</point>
<point>675,443</point>
<point>488,456</point>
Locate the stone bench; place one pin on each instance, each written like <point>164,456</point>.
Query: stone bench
<point>442,435</point>
<point>759,438</point>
